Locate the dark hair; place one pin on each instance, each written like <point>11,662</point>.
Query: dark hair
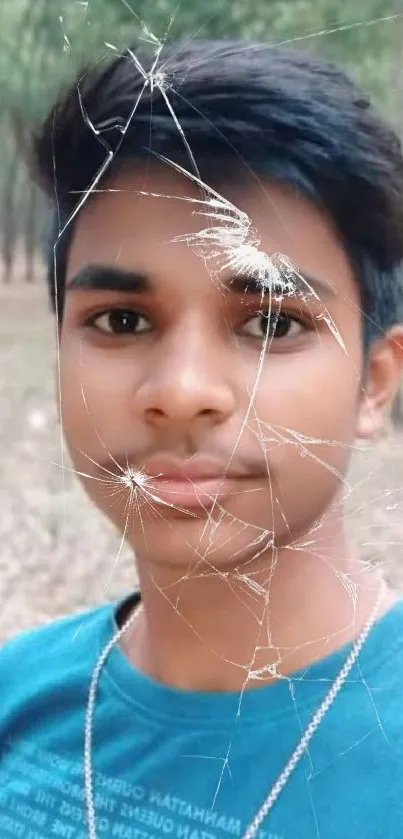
<point>282,112</point>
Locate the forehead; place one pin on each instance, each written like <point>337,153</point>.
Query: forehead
<point>135,218</point>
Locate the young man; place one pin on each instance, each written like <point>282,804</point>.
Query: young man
<point>227,292</point>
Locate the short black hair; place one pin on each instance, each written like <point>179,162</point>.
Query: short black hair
<point>282,112</point>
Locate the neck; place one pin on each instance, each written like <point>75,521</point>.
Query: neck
<point>247,626</point>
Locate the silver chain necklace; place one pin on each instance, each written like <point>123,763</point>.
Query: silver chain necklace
<point>282,779</point>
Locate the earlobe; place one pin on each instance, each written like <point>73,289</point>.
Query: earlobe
<point>383,375</point>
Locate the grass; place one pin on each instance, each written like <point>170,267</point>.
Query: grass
<point>56,549</point>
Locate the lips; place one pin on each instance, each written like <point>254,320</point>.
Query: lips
<point>198,482</point>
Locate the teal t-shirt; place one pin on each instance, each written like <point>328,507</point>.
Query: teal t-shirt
<point>186,765</point>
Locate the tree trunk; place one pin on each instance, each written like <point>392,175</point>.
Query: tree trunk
<point>8,232</point>
<point>30,235</point>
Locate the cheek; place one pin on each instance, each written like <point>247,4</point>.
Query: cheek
<point>313,393</point>
<point>306,411</point>
<point>91,394</point>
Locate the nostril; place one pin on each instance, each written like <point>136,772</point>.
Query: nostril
<point>208,412</point>
<point>155,413</point>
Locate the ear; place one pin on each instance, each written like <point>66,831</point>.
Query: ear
<point>383,373</point>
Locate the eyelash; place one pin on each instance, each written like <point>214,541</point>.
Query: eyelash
<point>261,313</point>
<point>91,321</point>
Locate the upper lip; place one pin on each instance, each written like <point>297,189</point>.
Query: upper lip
<point>197,468</point>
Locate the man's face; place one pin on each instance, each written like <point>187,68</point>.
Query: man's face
<point>203,422</point>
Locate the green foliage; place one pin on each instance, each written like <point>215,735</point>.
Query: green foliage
<point>43,42</point>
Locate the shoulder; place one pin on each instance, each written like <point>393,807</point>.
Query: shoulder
<point>55,633</point>
<point>45,672</point>
<point>64,646</point>
<point>385,657</point>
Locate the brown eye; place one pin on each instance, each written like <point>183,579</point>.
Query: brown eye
<point>121,322</point>
<point>267,324</point>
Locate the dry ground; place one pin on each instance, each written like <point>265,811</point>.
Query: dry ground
<point>56,550</point>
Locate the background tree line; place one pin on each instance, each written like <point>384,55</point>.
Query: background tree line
<point>44,42</point>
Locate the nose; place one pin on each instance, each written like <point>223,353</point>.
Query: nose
<point>188,378</point>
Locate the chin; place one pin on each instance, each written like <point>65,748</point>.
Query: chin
<point>197,542</point>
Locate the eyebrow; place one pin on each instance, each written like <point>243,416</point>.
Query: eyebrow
<point>108,278</point>
<point>111,278</point>
<point>301,282</point>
